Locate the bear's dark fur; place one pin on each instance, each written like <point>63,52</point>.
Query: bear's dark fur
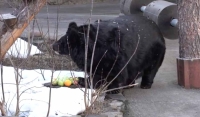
<point>117,39</point>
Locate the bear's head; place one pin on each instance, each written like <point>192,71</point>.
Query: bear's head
<point>73,39</point>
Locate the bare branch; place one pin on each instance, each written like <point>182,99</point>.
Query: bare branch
<point>125,64</point>
<point>9,38</point>
<point>3,112</point>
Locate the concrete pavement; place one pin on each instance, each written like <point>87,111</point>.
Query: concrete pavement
<point>166,98</point>
<point>51,18</point>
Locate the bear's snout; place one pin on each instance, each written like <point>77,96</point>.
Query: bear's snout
<point>55,47</point>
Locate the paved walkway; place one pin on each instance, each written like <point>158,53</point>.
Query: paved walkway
<point>166,98</point>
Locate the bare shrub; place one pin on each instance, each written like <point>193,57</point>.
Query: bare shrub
<point>49,60</point>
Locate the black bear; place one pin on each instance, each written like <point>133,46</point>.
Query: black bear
<point>117,40</point>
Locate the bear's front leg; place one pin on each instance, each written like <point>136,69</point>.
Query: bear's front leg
<point>98,81</point>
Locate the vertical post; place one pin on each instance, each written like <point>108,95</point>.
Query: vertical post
<point>188,63</point>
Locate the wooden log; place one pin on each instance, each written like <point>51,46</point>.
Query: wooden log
<point>10,37</point>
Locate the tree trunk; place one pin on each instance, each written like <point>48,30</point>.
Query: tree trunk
<point>189,28</point>
<point>188,63</point>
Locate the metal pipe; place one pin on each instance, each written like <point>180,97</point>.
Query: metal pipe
<point>143,8</point>
<point>174,22</point>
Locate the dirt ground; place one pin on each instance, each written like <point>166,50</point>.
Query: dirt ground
<point>42,61</point>
<point>45,60</point>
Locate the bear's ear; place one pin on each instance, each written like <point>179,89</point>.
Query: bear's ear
<point>92,27</point>
<point>84,28</point>
<point>92,31</point>
<point>114,34</point>
<point>98,20</point>
<point>114,31</point>
<point>72,26</point>
<point>72,34</point>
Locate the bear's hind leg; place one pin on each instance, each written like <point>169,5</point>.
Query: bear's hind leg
<point>147,78</point>
<point>150,73</point>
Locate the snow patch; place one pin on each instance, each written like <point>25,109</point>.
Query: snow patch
<point>20,49</point>
<point>34,96</point>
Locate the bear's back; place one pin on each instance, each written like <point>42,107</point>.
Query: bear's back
<point>133,30</point>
